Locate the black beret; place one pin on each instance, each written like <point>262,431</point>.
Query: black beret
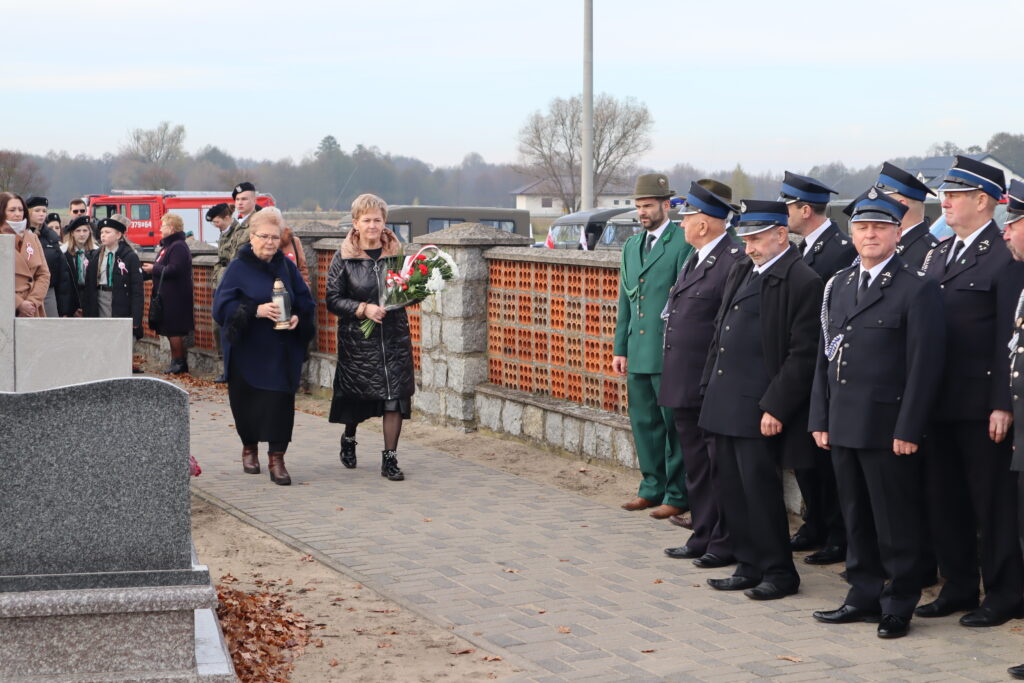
<point>111,223</point>
<point>77,223</point>
<point>36,201</point>
<point>217,210</point>
<point>244,186</point>
<point>51,217</point>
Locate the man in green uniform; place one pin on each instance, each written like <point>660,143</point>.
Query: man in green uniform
<point>651,262</point>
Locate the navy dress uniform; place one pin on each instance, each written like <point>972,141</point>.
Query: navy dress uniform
<point>915,240</point>
<point>883,336</point>
<point>967,470</point>
<point>823,521</point>
<point>693,303</point>
<point>647,273</point>
<point>761,360</point>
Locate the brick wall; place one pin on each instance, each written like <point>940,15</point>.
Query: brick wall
<point>551,327</point>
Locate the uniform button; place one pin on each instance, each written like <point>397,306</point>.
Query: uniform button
<point>842,381</point>
<point>989,373</point>
<point>641,297</point>
<point>668,346</point>
<point>843,363</point>
<point>719,372</point>
<point>670,329</point>
<point>673,310</point>
<point>641,315</point>
<point>1020,349</point>
<point>849,328</point>
<point>641,280</point>
<point>735,308</point>
<point>727,328</point>
<point>942,286</point>
<point>641,331</point>
<point>880,322</point>
<point>1015,373</point>
<point>971,285</point>
<point>846,345</point>
<point>721,349</point>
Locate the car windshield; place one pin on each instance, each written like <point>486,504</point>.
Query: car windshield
<point>566,234</point>
<point>942,230</point>
<point>616,234</point>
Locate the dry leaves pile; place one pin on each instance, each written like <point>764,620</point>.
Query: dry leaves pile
<point>263,634</point>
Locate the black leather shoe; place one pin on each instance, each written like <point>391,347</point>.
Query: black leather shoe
<point>769,591</point>
<point>733,583</point>
<point>847,614</point>
<point>833,554</point>
<point>1016,671</point>
<point>348,452</point>
<point>985,616</point>
<point>893,626</point>
<point>800,541</point>
<point>712,561</point>
<point>683,552</point>
<point>943,607</point>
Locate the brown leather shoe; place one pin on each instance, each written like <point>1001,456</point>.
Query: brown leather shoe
<point>684,520</point>
<point>638,503</point>
<point>278,474</point>
<point>251,458</point>
<point>665,511</point>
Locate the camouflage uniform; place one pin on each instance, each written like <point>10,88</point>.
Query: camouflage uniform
<point>231,240</point>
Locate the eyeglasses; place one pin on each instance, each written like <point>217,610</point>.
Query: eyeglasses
<point>75,212</point>
<point>267,238</point>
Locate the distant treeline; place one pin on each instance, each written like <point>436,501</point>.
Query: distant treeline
<point>331,177</point>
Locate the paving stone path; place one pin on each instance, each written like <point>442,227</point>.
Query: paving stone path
<point>567,588</point>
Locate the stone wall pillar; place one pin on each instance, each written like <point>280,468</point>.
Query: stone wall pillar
<point>453,348</point>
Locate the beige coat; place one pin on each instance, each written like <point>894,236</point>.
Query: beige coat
<point>31,275</point>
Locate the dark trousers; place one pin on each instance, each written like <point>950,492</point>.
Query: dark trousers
<point>971,493</point>
<point>823,519</point>
<point>657,448</point>
<point>710,534</point>
<point>750,482</point>
<point>881,499</point>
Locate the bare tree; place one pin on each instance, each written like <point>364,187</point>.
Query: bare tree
<point>20,174</point>
<point>550,144</point>
<point>158,147</point>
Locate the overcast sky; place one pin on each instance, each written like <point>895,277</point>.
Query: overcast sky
<point>770,85</point>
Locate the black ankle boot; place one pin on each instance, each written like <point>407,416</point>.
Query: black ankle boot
<point>178,366</point>
<point>348,452</point>
<point>389,466</point>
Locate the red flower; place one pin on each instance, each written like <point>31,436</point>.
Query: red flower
<point>423,269</point>
<point>421,257</point>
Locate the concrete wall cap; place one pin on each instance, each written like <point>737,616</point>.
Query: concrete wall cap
<point>472,234</point>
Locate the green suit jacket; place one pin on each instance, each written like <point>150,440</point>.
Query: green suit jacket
<point>643,291</point>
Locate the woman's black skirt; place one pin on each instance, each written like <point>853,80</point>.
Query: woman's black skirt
<point>348,410</point>
<point>260,415</point>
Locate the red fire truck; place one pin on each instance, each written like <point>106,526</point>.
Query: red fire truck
<point>145,209</point>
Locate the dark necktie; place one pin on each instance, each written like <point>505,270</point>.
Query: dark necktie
<point>957,248</point>
<point>648,243</point>
<point>752,276</point>
<point>691,265</point>
<point>865,280</point>
<point>110,269</point>
<point>79,260</point>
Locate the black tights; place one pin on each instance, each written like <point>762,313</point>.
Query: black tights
<point>392,430</point>
<point>273,446</point>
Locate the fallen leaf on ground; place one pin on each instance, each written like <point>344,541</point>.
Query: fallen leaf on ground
<point>564,629</point>
<point>227,578</point>
<point>333,662</point>
<point>383,611</point>
<point>383,645</point>
<point>427,519</point>
<point>542,611</point>
<point>467,651</point>
<point>306,558</point>
<point>647,652</point>
<point>658,581</point>
<point>491,658</point>
<point>262,632</point>
<point>583,469</point>
<point>339,509</point>
<point>510,571</point>
<point>789,658</point>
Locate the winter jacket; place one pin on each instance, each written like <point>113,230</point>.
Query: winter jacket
<point>379,367</point>
<point>174,265</point>
<point>268,359</point>
<point>31,276</point>
<point>126,286</point>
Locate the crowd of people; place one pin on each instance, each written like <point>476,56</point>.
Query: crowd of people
<point>881,365</point>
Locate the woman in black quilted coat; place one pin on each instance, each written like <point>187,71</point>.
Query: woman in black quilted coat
<point>374,375</point>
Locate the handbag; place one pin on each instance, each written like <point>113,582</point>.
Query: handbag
<point>156,307</point>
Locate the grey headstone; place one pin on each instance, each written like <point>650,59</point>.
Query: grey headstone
<point>95,487</point>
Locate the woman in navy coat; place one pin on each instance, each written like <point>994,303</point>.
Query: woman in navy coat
<point>263,365</point>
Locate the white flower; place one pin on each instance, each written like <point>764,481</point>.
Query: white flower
<point>435,283</point>
<point>450,261</point>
